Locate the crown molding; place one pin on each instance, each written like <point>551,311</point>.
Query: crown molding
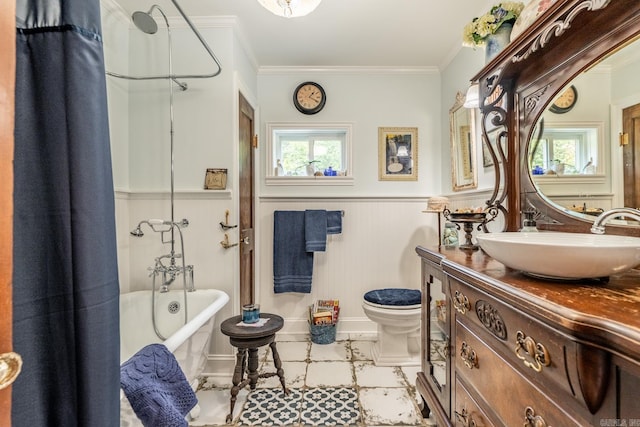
<point>266,70</point>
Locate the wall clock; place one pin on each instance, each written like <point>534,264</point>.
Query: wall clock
<point>566,101</point>
<point>309,98</point>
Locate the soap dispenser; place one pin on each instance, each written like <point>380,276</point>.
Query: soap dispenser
<point>529,224</point>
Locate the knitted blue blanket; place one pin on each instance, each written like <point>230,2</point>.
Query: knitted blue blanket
<point>156,387</point>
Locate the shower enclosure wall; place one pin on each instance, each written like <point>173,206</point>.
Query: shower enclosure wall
<point>169,267</point>
<point>204,131</point>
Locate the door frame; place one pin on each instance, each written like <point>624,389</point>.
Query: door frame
<point>617,162</point>
<point>7,115</point>
<point>241,89</point>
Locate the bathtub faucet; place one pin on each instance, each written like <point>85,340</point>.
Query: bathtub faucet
<point>603,218</point>
<point>171,272</point>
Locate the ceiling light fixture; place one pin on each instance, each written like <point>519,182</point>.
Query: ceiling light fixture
<point>290,8</point>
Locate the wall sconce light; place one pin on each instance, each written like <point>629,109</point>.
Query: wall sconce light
<point>472,100</point>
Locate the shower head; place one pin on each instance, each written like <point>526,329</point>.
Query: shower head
<point>137,232</point>
<point>145,22</point>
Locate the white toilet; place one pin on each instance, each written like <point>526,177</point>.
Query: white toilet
<point>396,311</point>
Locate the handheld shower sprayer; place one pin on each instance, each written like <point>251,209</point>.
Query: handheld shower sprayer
<point>137,232</point>
<point>155,225</point>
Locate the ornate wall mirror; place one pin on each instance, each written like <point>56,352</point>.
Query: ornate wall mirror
<point>571,45</point>
<point>463,142</point>
<point>578,162</point>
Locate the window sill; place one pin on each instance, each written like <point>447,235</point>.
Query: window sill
<point>569,179</point>
<point>309,180</point>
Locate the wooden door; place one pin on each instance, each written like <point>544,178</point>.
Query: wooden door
<point>7,87</point>
<point>631,156</point>
<point>246,195</point>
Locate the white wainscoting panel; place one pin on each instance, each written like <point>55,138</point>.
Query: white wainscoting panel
<point>375,250</point>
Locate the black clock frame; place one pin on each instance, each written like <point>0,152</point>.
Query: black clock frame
<point>561,110</point>
<point>314,110</point>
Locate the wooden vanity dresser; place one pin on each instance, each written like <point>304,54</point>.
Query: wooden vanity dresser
<point>501,348</point>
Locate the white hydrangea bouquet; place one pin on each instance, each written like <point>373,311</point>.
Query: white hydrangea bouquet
<point>476,31</point>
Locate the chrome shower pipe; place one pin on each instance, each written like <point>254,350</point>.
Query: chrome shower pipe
<point>171,76</point>
<point>171,115</point>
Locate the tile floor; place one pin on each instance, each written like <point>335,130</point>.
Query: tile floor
<point>331,384</point>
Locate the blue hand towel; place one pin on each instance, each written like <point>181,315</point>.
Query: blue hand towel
<point>292,264</point>
<point>334,222</point>
<point>315,230</point>
<point>156,387</point>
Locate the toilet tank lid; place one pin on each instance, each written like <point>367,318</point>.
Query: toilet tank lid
<point>394,296</point>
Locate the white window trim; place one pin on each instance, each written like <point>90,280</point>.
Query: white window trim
<point>601,167</point>
<point>309,180</point>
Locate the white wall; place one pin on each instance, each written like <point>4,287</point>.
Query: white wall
<point>383,221</point>
<point>375,250</point>
<point>456,77</point>
<point>368,98</point>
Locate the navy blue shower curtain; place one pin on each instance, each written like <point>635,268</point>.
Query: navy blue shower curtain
<point>65,280</point>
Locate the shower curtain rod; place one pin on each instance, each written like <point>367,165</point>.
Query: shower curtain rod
<point>178,76</point>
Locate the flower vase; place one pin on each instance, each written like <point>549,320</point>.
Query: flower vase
<point>497,41</point>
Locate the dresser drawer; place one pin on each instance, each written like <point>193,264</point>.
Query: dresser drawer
<point>509,394</point>
<point>538,351</point>
<point>467,411</point>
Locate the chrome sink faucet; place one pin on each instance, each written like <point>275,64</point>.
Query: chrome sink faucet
<point>603,218</point>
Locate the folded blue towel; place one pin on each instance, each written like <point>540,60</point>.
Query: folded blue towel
<point>292,264</point>
<point>315,230</point>
<point>334,222</point>
<point>156,387</point>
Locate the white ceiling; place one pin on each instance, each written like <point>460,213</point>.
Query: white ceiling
<point>343,33</point>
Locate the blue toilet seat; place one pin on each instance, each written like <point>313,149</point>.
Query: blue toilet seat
<point>398,297</point>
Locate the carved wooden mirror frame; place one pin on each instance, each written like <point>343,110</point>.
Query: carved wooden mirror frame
<point>517,85</point>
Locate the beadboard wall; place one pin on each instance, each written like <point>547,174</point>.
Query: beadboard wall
<point>375,250</point>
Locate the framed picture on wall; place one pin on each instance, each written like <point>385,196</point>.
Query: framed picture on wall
<point>487,160</point>
<point>397,154</point>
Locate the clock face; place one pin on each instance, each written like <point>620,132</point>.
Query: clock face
<point>309,98</point>
<point>565,101</point>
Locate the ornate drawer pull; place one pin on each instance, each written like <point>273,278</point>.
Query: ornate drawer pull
<point>468,356</point>
<point>461,303</point>
<point>533,420</point>
<point>465,418</point>
<point>535,350</point>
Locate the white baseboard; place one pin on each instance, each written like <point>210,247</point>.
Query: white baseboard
<point>349,328</point>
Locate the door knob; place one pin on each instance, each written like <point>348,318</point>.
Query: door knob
<point>10,366</point>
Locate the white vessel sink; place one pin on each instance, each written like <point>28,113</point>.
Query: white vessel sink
<point>563,255</point>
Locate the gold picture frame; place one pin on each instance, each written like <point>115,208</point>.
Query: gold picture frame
<point>215,179</point>
<point>397,153</point>
<point>463,145</point>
